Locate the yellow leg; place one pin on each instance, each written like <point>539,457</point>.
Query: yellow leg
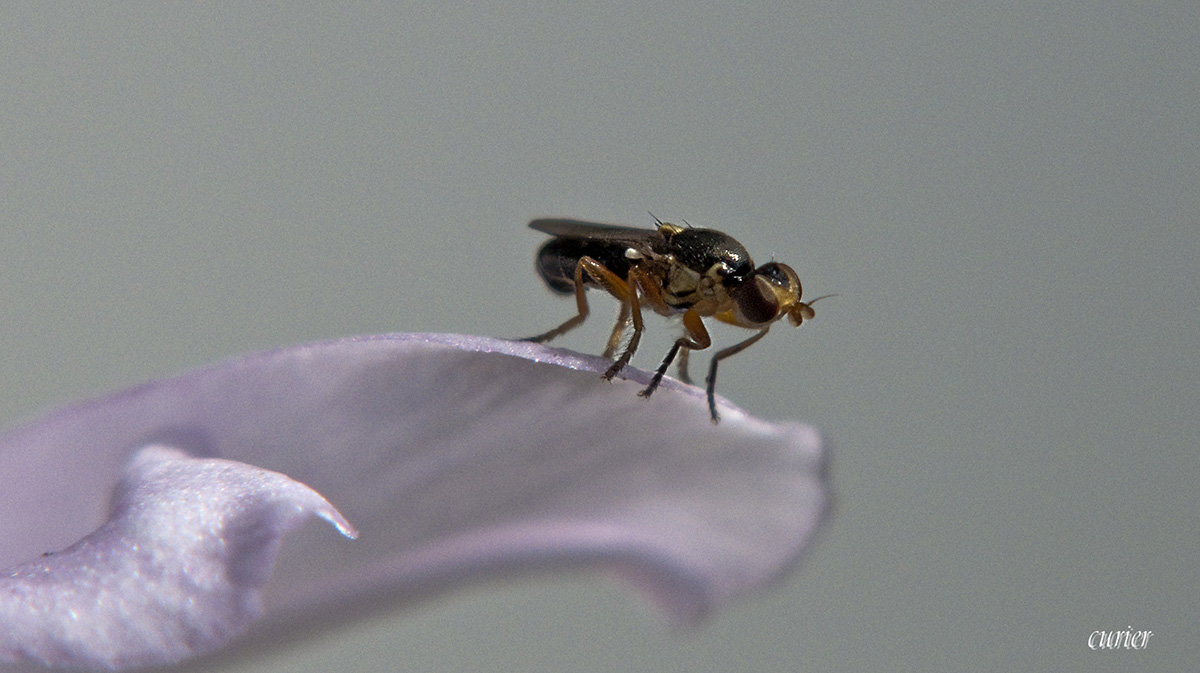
<point>630,299</point>
<point>602,276</point>
<point>618,331</point>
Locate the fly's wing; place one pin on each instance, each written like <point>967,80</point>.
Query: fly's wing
<point>610,245</point>
<point>595,231</point>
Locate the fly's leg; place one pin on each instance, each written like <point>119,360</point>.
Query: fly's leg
<point>695,337</point>
<point>682,366</point>
<point>627,292</point>
<point>588,265</point>
<point>618,331</point>
<point>712,369</point>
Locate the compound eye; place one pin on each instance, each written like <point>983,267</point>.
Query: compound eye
<point>774,272</point>
<point>782,276</point>
<point>757,301</point>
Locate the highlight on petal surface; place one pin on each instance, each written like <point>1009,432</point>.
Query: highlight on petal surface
<point>457,458</point>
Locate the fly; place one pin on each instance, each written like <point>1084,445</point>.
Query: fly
<point>674,270</point>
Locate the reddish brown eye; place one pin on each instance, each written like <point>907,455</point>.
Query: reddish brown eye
<point>756,301</point>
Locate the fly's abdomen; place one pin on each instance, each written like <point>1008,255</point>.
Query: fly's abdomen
<point>557,258</point>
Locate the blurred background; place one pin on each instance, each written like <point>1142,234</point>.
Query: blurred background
<point>1005,199</point>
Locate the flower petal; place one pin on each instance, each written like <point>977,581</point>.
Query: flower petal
<point>174,572</point>
<point>456,457</point>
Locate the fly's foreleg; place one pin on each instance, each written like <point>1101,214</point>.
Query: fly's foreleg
<point>712,370</point>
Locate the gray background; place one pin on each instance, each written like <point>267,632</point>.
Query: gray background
<point>1004,197</point>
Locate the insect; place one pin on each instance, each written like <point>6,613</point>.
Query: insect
<point>675,270</point>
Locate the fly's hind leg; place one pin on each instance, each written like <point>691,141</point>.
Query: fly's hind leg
<point>624,290</point>
<point>589,265</point>
<point>712,370</point>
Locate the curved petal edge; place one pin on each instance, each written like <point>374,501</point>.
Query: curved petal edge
<point>175,571</point>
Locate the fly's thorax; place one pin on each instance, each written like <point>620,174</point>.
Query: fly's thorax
<point>684,288</point>
<point>703,267</point>
<point>708,252</point>
<point>681,285</point>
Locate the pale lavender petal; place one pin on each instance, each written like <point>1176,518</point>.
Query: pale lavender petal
<point>174,572</point>
<point>457,457</point>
